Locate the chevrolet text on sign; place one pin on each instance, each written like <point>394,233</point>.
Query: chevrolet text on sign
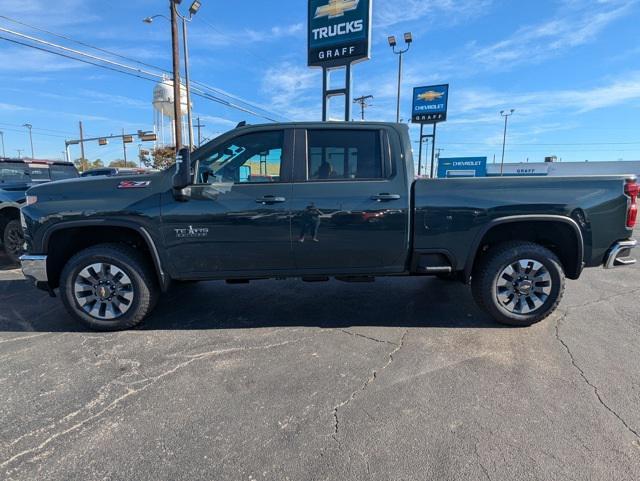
<point>430,104</point>
<point>339,32</point>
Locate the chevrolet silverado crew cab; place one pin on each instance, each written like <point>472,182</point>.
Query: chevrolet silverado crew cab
<point>16,176</point>
<point>317,201</point>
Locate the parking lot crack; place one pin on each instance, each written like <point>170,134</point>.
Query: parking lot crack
<point>482,466</point>
<point>357,334</point>
<point>587,381</point>
<point>365,385</point>
<point>131,388</point>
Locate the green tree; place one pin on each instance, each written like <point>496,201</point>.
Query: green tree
<point>158,158</point>
<point>119,163</point>
<point>82,164</point>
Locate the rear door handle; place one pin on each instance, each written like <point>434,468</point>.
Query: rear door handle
<point>270,199</point>
<point>386,197</point>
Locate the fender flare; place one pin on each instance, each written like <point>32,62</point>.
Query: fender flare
<point>144,233</point>
<point>473,254</point>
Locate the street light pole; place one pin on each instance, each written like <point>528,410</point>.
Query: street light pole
<point>175,45</point>
<point>29,127</point>
<point>193,9</point>
<point>185,46</point>
<point>506,116</point>
<point>408,38</point>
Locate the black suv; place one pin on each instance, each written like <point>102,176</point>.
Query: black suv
<point>16,176</point>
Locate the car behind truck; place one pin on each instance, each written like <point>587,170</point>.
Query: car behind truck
<point>16,176</point>
<point>317,201</point>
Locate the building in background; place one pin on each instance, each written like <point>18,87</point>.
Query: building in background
<point>478,167</point>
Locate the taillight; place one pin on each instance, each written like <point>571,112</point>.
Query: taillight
<point>631,188</point>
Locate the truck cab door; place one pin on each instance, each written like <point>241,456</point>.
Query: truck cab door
<point>236,222</point>
<point>351,201</point>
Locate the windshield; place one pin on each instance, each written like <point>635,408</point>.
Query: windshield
<point>62,172</point>
<point>13,172</point>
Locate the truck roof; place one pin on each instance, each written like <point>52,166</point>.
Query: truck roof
<point>36,161</point>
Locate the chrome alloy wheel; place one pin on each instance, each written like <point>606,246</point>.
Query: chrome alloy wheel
<point>523,286</point>
<point>103,291</point>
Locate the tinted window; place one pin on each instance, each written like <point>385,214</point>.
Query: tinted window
<point>344,154</point>
<point>247,159</point>
<point>61,172</point>
<point>39,173</point>
<point>13,172</point>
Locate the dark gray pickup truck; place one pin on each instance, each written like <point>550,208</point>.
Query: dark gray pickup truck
<point>318,201</point>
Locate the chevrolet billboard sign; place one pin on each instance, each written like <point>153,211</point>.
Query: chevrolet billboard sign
<point>339,32</point>
<point>430,104</point>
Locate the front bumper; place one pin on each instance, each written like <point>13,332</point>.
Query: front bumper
<point>620,254</point>
<point>35,268</point>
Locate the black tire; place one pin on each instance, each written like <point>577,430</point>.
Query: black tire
<point>142,285</point>
<point>13,240</point>
<point>490,271</point>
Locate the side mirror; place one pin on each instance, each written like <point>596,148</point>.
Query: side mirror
<point>182,177</point>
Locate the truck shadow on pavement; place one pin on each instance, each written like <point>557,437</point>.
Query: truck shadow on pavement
<point>397,302</point>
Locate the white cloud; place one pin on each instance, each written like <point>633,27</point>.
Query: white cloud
<point>576,23</point>
<point>214,36</point>
<point>482,106</point>
<point>391,13</point>
<point>26,60</point>
<point>289,87</point>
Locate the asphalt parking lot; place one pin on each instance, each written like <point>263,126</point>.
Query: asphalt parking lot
<point>403,379</point>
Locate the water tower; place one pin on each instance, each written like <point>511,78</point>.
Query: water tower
<point>164,113</point>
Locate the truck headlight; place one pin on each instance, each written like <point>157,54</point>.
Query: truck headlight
<point>32,199</point>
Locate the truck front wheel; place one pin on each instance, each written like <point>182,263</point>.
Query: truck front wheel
<point>108,287</point>
<point>518,283</point>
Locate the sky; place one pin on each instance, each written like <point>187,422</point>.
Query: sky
<point>569,68</point>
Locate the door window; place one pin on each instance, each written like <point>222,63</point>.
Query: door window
<point>254,158</point>
<point>344,155</point>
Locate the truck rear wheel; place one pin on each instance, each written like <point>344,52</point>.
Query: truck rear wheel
<point>109,287</point>
<point>13,240</point>
<point>519,283</point>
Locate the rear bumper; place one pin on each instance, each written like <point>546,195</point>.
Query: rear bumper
<point>35,268</point>
<point>620,254</point>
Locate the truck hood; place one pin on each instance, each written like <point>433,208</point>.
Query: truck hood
<point>94,187</point>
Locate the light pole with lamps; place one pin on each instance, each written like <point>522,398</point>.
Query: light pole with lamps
<point>506,116</point>
<point>193,9</point>
<point>29,127</point>
<point>393,43</point>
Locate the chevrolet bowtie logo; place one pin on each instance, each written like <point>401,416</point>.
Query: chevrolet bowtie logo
<point>430,96</point>
<point>336,8</point>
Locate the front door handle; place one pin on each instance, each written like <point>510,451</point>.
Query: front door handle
<point>270,200</point>
<point>386,197</point>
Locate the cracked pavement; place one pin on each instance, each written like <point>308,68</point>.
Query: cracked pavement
<point>403,379</point>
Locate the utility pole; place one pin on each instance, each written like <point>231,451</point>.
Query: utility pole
<point>199,127</point>
<point>504,139</point>
<point>29,127</point>
<point>81,142</point>
<point>175,46</point>
<point>19,153</point>
<point>2,138</point>
<point>124,148</point>
<point>438,159</point>
<point>363,103</point>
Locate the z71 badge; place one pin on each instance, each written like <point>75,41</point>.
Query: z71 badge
<point>134,184</point>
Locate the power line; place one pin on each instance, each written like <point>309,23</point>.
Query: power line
<point>140,75</point>
<point>115,54</point>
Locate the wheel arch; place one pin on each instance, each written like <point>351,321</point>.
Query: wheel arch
<point>79,235</point>
<point>562,236</point>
